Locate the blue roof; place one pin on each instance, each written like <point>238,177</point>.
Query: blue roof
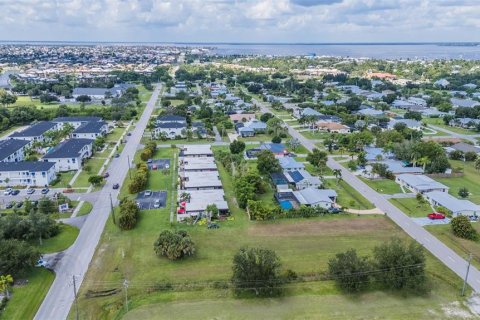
<point>77,119</point>
<point>68,149</point>
<point>31,166</point>
<point>91,127</point>
<point>35,130</point>
<point>10,146</point>
<point>273,147</point>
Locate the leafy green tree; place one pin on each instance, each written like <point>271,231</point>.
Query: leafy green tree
<point>267,163</point>
<point>174,245</point>
<point>400,265</point>
<point>212,211</point>
<point>129,213</point>
<point>462,228</point>
<point>237,147</point>
<point>259,211</point>
<point>95,180</point>
<point>470,156</point>
<point>42,227</point>
<point>318,158</point>
<point>257,270</point>
<point>350,272</point>
<point>17,256</point>
<point>266,116</point>
<point>46,206</point>
<point>277,139</point>
<point>244,191</point>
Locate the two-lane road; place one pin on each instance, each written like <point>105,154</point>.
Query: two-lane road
<point>449,257</point>
<point>76,260</point>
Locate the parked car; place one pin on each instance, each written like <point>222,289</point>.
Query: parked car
<point>139,206</point>
<point>149,161</point>
<point>7,191</point>
<point>156,204</point>
<point>106,175</point>
<point>436,216</point>
<point>30,190</point>
<point>147,193</point>
<point>213,226</point>
<point>15,192</point>
<point>129,134</point>
<point>45,190</point>
<point>41,263</point>
<point>19,204</point>
<point>116,186</point>
<point>154,167</point>
<point>9,205</point>
<point>117,155</point>
<point>334,210</point>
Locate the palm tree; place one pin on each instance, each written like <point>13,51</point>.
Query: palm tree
<point>5,283</point>
<point>338,174</point>
<point>423,161</point>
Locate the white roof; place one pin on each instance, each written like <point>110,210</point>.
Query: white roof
<point>199,163</point>
<point>421,182</point>
<point>200,199</point>
<point>197,149</point>
<point>312,196</point>
<point>202,179</point>
<point>451,203</point>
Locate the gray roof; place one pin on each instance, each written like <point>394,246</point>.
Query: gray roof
<point>91,91</point>
<point>410,123</point>
<point>10,146</point>
<point>421,182</point>
<point>465,147</point>
<point>31,166</point>
<point>171,125</point>
<point>465,103</point>
<point>451,203</point>
<point>310,112</point>
<point>171,118</point>
<point>290,163</point>
<point>68,149</point>
<point>91,127</point>
<point>311,196</point>
<point>77,119</point>
<point>397,167</point>
<point>35,130</point>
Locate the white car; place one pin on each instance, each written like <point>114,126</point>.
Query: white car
<point>7,191</point>
<point>156,204</point>
<point>41,263</point>
<point>147,193</point>
<point>30,190</point>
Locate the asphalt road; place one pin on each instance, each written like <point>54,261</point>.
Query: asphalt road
<point>77,258</point>
<point>471,137</point>
<point>451,259</point>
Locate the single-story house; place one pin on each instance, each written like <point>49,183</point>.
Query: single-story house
<point>332,127</point>
<point>302,179</point>
<point>376,154</point>
<point>27,173</point>
<point>441,83</point>
<point>311,197</point>
<point>419,183</point>
<point>277,149</point>
<point>463,147</point>
<point>290,164</point>
<point>250,128</point>
<point>198,164</point>
<point>396,167</point>
<point>456,206</point>
<point>410,123</point>
<point>368,112</point>
<point>199,129</point>
<point>198,202</point>
<point>90,130</point>
<point>306,112</point>
<point>196,150</point>
<point>464,103</point>
<point>279,180</point>
<point>13,150</point>
<point>241,117</point>
<point>69,154</point>
<point>36,132</point>
<point>204,180</point>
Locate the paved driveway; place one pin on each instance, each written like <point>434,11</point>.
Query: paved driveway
<point>429,222</point>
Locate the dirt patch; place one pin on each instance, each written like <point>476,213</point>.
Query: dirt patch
<point>454,310</point>
<point>318,226</point>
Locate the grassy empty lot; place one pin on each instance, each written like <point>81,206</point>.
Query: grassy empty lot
<point>82,180</point>
<point>61,241</point>
<point>315,135</point>
<point>304,245</point>
<point>27,298</point>
<point>461,246</point>
<point>439,123</point>
<point>65,178</point>
<point>412,207</point>
<point>348,196</point>
<point>115,135</point>
<point>385,186</point>
<point>470,180</point>
<point>85,209</point>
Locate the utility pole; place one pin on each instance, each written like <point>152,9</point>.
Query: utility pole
<point>111,208</point>
<point>75,295</point>
<point>466,275</point>
<point>129,173</point>
<point>125,286</point>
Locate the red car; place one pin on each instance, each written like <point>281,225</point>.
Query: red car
<point>436,216</point>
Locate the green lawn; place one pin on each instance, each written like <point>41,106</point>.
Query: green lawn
<point>461,246</point>
<point>348,196</point>
<point>470,180</point>
<point>65,178</point>
<point>82,180</point>
<point>85,209</point>
<point>439,123</point>
<point>327,171</point>
<point>27,299</point>
<point>115,135</point>
<point>385,186</point>
<point>60,242</point>
<point>412,207</point>
<point>314,135</point>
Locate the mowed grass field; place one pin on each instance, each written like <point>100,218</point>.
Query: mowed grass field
<point>385,186</point>
<point>470,180</point>
<point>303,245</point>
<point>412,207</point>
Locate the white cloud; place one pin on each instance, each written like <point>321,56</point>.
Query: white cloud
<point>241,20</point>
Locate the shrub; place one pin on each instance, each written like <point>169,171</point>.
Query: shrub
<point>462,228</point>
<point>129,213</point>
<point>350,272</point>
<point>276,139</point>
<point>470,156</point>
<point>174,245</point>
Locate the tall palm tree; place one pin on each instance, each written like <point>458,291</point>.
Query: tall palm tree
<point>423,161</point>
<point>338,174</point>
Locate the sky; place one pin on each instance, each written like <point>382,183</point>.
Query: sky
<point>271,21</point>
